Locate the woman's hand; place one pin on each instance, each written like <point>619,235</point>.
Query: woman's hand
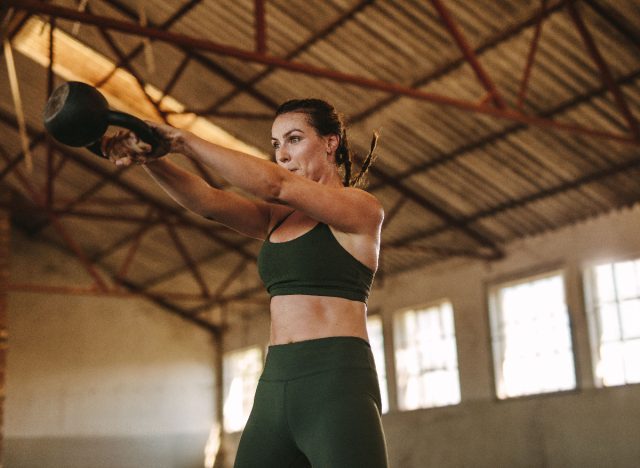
<point>125,148</point>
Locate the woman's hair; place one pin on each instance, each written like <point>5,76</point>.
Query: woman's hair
<point>323,117</point>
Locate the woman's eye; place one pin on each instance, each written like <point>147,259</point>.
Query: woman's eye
<point>294,139</point>
<point>275,145</point>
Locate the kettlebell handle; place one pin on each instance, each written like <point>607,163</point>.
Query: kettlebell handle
<point>128,121</point>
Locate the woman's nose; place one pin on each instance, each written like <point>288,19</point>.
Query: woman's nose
<point>282,155</point>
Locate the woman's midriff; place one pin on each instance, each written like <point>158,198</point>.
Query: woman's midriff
<point>300,317</point>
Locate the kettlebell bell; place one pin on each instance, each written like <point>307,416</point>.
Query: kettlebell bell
<point>78,115</point>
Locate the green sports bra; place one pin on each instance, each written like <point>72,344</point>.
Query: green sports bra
<point>313,264</point>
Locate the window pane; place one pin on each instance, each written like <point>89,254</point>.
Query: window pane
<point>376,339</point>
<point>532,346</point>
<point>615,319</point>
<point>630,318</point>
<point>609,322</point>
<point>610,368</point>
<point>426,358</point>
<point>605,283</point>
<point>632,361</point>
<point>625,280</point>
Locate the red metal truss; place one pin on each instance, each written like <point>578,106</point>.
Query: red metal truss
<point>255,57</point>
<point>605,73</point>
<point>531,55</point>
<point>188,260</point>
<point>214,109</point>
<point>469,53</point>
<point>62,231</point>
<point>261,28</point>
<point>176,215</point>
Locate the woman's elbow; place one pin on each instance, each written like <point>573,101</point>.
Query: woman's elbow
<point>272,189</point>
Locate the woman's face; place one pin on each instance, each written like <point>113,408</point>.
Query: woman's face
<point>299,148</point>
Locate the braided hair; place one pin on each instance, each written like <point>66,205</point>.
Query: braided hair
<point>323,117</point>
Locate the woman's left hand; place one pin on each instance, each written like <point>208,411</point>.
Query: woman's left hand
<point>125,148</point>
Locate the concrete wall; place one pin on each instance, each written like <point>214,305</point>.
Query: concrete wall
<point>100,382</point>
<point>588,427</point>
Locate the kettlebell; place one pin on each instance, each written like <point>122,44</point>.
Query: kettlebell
<point>78,115</point>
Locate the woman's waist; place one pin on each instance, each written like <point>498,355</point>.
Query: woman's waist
<point>298,318</point>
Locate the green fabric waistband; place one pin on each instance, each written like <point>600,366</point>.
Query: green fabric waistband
<point>302,358</point>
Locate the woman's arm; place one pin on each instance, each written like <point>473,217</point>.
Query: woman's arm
<point>347,209</point>
<point>248,217</point>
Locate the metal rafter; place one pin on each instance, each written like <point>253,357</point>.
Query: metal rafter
<point>605,73</point>
<point>205,61</point>
<point>340,77</point>
<point>61,230</point>
<point>443,70</point>
<point>524,82</point>
<point>188,260</point>
<point>183,10</point>
<point>135,241</point>
<point>468,53</point>
<point>526,200</point>
<point>321,34</point>
<point>451,220</point>
<point>467,149</point>
<point>260,25</point>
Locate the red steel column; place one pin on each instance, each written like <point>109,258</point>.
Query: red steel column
<point>4,280</point>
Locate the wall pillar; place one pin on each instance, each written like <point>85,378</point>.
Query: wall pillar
<point>219,396</point>
<point>5,231</point>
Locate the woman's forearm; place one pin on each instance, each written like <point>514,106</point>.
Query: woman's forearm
<point>254,175</point>
<point>188,190</point>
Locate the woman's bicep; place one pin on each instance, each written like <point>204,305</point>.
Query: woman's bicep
<point>347,209</point>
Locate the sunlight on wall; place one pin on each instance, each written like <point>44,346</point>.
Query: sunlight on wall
<point>213,446</point>
<point>241,373</point>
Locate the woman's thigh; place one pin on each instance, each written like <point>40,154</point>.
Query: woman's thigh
<point>266,441</point>
<point>335,419</point>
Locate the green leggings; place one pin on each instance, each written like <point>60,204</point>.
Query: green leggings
<point>317,405</point>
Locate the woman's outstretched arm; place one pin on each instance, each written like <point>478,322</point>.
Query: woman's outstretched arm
<point>248,217</point>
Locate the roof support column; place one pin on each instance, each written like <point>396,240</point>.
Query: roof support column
<point>5,231</point>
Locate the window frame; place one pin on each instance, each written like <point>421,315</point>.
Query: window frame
<point>593,323</point>
<point>416,308</point>
<point>521,277</point>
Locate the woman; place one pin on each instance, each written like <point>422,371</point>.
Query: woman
<point>318,401</point>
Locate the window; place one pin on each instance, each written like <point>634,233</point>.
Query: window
<point>426,357</point>
<point>241,373</point>
<point>374,330</point>
<point>531,337</point>
<point>614,311</point>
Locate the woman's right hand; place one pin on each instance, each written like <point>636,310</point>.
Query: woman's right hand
<point>124,148</point>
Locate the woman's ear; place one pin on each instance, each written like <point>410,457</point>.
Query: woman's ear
<point>333,141</point>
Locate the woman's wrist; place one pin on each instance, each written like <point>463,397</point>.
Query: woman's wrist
<point>183,143</point>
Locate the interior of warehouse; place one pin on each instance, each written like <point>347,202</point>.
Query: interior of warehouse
<point>504,315</point>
